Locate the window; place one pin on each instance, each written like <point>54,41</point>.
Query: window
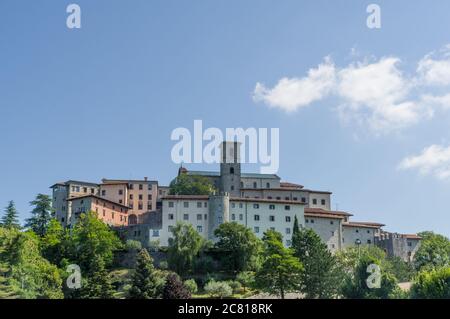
<point>323,201</point>
<point>149,187</point>
<point>314,201</point>
<point>199,229</point>
<point>272,218</point>
<point>206,216</point>
<point>170,204</point>
<point>269,197</point>
<point>149,206</point>
<point>288,231</point>
<point>332,246</point>
<point>272,207</point>
<point>120,191</point>
<point>140,206</point>
<point>231,170</point>
<point>185,204</point>
<point>233,205</point>
<point>303,199</point>
<point>62,219</point>
<point>287,198</point>
<point>295,198</point>
<point>232,187</point>
<point>241,217</point>
<point>256,206</point>
<point>287,207</point>
<point>130,186</point>
<point>103,193</point>
<point>92,190</point>
<point>149,197</point>
<point>199,216</point>
<point>332,233</point>
<point>255,185</point>
<point>312,221</point>
<point>141,187</point>
<point>155,233</point>
<point>256,217</point>
<point>131,196</point>
<point>306,221</point>
<point>220,219</point>
<point>205,204</point>
<point>199,204</point>
<point>233,217</point>
<point>185,217</point>
<point>409,244</point>
<point>112,215</point>
<point>368,231</point>
<point>357,230</point>
<point>242,185</point>
<point>131,205</point>
<point>241,205</point>
<point>267,185</point>
<point>141,197</point>
<point>331,222</point>
<point>288,219</point>
<point>278,198</point>
<point>256,229</point>
<point>84,189</point>
<point>369,241</point>
<point>170,216</point>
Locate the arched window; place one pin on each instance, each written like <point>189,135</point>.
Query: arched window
<point>231,170</point>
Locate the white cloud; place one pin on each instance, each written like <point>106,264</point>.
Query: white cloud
<point>292,94</point>
<point>434,160</point>
<point>434,68</point>
<point>376,95</point>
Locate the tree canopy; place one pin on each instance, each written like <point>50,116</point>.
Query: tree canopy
<point>434,251</point>
<point>191,185</point>
<point>41,214</point>
<point>10,218</point>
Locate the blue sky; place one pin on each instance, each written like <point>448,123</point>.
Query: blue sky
<point>102,101</point>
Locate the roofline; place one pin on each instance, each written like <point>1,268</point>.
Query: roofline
<point>324,211</point>
<point>71,181</point>
<point>324,215</point>
<point>98,197</point>
<point>106,181</point>
<point>363,224</point>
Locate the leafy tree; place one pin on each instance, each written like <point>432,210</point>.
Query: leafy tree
<point>281,270</point>
<point>246,278</point>
<point>321,277</point>
<point>432,284</point>
<point>97,284</point>
<point>434,251</point>
<point>53,243</point>
<point>175,288</point>
<point>218,289</point>
<point>239,246</point>
<point>28,274</point>
<point>191,285</point>
<point>348,259</point>
<point>183,247</point>
<point>91,238</point>
<point>191,185</point>
<point>356,284</point>
<point>41,214</point>
<point>146,281</point>
<point>402,270</point>
<point>10,218</point>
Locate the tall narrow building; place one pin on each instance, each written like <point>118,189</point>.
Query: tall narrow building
<point>230,169</point>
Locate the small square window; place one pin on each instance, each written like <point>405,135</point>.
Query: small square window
<point>256,230</point>
<point>287,207</point>
<point>288,219</point>
<point>272,218</point>
<point>288,231</point>
<point>199,204</point>
<point>256,217</point>
<point>272,207</point>
<point>199,229</point>
<point>233,217</point>
<point>185,217</point>
<point>170,216</point>
<point>185,204</point>
<point>171,204</point>
<point>256,206</point>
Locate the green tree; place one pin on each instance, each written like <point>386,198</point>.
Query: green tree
<point>239,246</point>
<point>432,284</point>
<point>281,270</point>
<point>28,274</point>
<point>91,238</point>
<point>146,282</point>
<point>97,283</point>
<point>357,283</point>
<point>434,251</point>
<point>53,243</point>
<point>321,275</point>
<point>174,288</point>
<point>191,285</point>
<point>41,214</point>
<point>10,218</point>
<point>296,228</point>
<point>183,247</point>
<point>191,185</point>
<point>246,278</point>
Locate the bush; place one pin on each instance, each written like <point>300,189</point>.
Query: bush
<point>235,285</point>
<point>133,245</point>
<point>434,284</point>
<point>191,285</point>
<point>163,265</point>
<point>246,278</point>
<point>175,289</point>
<point>218,289</point>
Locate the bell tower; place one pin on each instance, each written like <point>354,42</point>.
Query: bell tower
<point>230,169</point>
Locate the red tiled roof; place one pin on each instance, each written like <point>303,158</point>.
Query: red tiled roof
<point>324,211</point>
<point>364,224</point>
<point>290,185</point>
<point>324,215</point>
<point>412,236</point>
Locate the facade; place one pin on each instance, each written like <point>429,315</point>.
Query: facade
<point>140,196</point>
<point>142,210</point>
<point>64,191</point>
<point>109,212</point>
